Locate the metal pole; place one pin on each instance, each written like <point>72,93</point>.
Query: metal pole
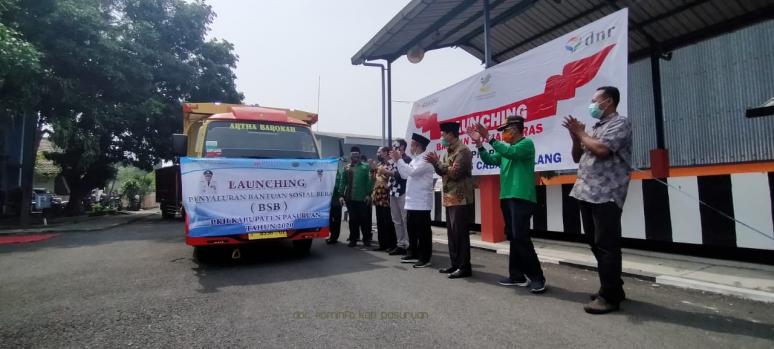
<point>487,52</point>
<point>655,71</point>
<point>383,99</point>
<point>389,104</point>
<point>318,102</point>
<point>384,113</point>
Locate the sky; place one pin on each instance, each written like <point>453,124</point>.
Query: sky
<point>285,45</point>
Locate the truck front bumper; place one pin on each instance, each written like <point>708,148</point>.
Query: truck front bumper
<point>244,239</point>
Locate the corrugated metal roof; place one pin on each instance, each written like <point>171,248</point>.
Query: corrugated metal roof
<point>520,25</point>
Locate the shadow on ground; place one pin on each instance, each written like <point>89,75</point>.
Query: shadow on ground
<point>277,262</point>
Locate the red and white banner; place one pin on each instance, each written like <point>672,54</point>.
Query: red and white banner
<point>543,85</point>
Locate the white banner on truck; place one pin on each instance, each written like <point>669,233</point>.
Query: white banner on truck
<point>225,196</point>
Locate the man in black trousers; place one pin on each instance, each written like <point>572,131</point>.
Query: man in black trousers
<point>601,186</point>
<point>419,199</point>
<point>356,185</point>
<point>458,197</point>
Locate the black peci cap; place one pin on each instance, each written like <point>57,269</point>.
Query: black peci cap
<point>513,120</point>
<point>450,127</point>
<point>420,139</point>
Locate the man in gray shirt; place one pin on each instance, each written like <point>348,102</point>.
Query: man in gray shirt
<point>602,182</point>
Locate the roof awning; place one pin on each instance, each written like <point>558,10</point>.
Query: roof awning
<point>655,26</point>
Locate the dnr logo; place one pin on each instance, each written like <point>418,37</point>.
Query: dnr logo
<point>579,42</point>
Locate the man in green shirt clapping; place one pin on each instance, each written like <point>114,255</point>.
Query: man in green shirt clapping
<point>516,157</point>
<point>357,186</point>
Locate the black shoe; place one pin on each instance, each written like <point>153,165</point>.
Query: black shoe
<point>409,259</point>
<point>421,264</point>
<point>331,242</point>
<point>367,244</point>
<point>459,273</point>
<point>448,270</point>
<point>511,282</point>
<point>600,306</point>
<point>351,244</point>
<point>596,295</point>
<point>537,286</point>
<point>389,250</point>
<point>398,251</point>
<point>379,249</point>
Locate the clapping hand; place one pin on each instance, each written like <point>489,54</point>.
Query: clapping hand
<point>574,126</point>
<point>432,158</point>
<point>482,130</point>
<point>474,135</point>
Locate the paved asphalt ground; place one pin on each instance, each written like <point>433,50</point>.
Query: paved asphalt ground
<point>138,286</point>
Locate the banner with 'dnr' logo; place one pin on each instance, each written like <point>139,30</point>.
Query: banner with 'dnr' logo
<point>225,196</point>
<point>543,85</point>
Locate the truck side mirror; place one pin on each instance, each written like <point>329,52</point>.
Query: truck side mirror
<point>179,144</point>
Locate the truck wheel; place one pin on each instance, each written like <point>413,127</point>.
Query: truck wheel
<point>202,254</point>
<point>302,247</point>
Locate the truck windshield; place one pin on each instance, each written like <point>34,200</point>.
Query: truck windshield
<point>259,140</point>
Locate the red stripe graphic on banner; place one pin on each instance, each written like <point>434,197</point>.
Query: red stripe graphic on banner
<point>558,87</point>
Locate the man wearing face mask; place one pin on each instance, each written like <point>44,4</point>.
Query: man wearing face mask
<point>456,172</point>
<point>516,157</point>
<point>398,200</point>
<point>356,184</point>
<point>603,159</point>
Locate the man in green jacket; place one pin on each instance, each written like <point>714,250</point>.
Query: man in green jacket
<point>357,186</point>
<point>516,157</point>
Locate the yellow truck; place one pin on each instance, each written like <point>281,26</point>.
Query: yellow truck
<point>239,131</point>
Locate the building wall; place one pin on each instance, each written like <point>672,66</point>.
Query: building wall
<point>708,86</point>
<point>641,113</point>
<point>671,213</point>
<point>656,212</point>
<point>706,89</point>
<point>329,147</point>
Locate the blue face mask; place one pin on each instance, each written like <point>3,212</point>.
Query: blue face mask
<point>444,142</point>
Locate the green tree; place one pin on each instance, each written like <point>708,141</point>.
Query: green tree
<point>114,75</point>
<point>145,181</point>
<point>18,58</point>
<point>19,68</point>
